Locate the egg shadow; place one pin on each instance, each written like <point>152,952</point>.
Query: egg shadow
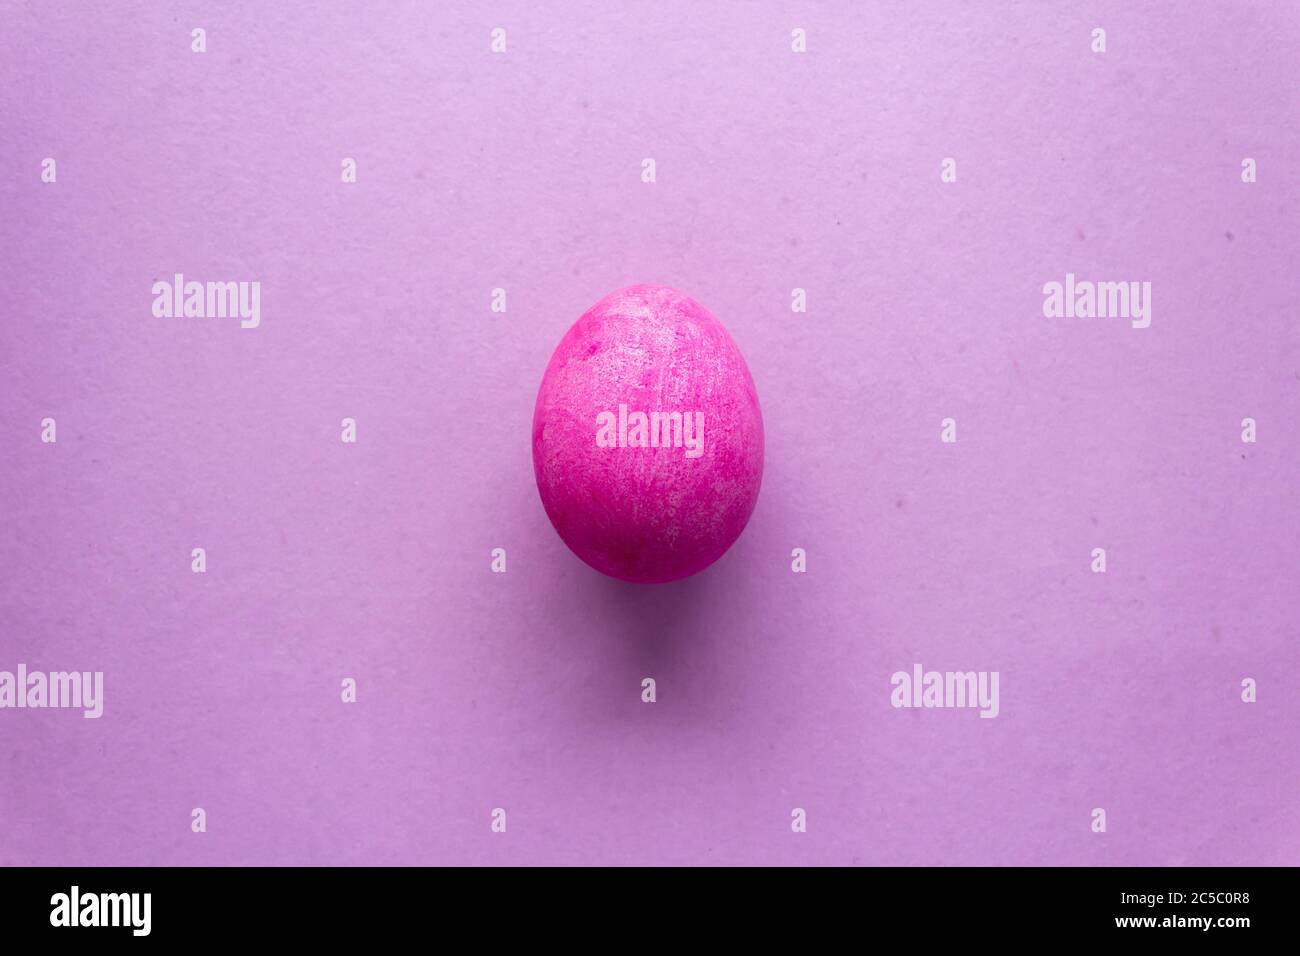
<point>646,628</point>
<point>692,635</point>
<point>659,625</point>
<point>686,634</point>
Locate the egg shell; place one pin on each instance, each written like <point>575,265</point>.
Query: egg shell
<point>647,514</point>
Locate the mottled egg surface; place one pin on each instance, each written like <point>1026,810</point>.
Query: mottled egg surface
<point>647,436</point>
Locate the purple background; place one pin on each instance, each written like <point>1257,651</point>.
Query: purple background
<point>522,690</point>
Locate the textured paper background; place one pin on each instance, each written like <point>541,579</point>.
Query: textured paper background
<point>521,690</point>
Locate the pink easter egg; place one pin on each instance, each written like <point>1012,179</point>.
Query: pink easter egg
<point>647,436</point>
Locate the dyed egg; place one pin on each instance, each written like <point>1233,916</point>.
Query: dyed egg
<point>647,436</point>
